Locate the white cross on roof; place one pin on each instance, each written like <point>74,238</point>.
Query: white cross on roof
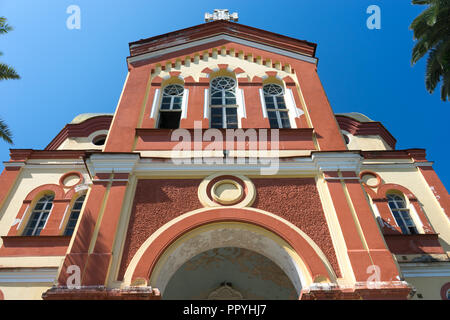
<point>221,14</point>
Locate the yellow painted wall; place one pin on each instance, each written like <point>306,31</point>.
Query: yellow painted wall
<point>28,180</point>
<point>369,142</point>
<point>26,291</point>
<point>429,287</point>
<point>414,181</point>
<point>82,143</point>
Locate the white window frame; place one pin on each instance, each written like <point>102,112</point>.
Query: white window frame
<point>276,109</point>
<point>73,210</point>
<point>47,198</point>
<point>183,103</point>
<point>401,210</point>
<point>224,106</point>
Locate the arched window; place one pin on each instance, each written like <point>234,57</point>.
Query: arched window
<point>223,103</point>
<point>74,214</point>
<point>170,109</point>
<point>401,214</point>
<point>39,216</point>
<point>276,107</point>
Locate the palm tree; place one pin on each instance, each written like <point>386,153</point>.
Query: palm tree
<point>6,72</point>
<point>432,31</point>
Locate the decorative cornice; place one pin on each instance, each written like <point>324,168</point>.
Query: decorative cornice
<point>425,270</point>
<point>112,162</point>
<point>83,129</point>
<point>357,128</point>
<point>101,293</point>
<point>203,31</point>
<point>28,275</point>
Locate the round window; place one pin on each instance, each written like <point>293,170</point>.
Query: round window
<point>346,139</point>
<point>99,140</point>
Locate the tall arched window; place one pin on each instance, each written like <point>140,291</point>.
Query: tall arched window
<point>276,107</point>
<point>223,103</point>
<point>401,214</point>
<point>74,214</point>
<point>39,216</point>
<point>170,109</point>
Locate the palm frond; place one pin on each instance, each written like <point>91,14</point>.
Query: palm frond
<point>5,132</point>
<point>434,70</point>
<point>445,88</point>
<point>4,27</point>
<point>6,72</point>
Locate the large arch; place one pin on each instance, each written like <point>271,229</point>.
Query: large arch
<point>304,255</point>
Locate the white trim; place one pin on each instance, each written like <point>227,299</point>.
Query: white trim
<point>292,108</point>
<point>342,178</point>
<point>23,217</point>
<point>24,275</point>
<point>206,105</point>
<point>263,102</point>
<point>108,163</point>
<point>290,97</point>
<point>241,113</point>
<point>424,164</point>
<point>419,271</point>
<point>64,216</point>
<point>415,217</point>
<point>48,217</point>
<point>9,164</point>
<point>162,52</point>
<point>184,104</point>
<point>110,180</point>
<point>155,103</point>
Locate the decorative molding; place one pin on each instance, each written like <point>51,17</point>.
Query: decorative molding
<point>206,105</point>
<point>155,103</point>
<point>423,271</point>
<point>357,128</point>
<point>109,163</point>
<point>184,104</point>
<point>82,129</point>
<point>28,275</point>
<point>263,103</point>
<point>256,45</point>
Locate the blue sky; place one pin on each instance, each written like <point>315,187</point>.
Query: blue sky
<point>67,72</point>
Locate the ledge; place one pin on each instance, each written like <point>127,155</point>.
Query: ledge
<point>34,245</point>
<point>160,139</point>
<point>101,293</point>
<point>391,290</point>
<point>414,243</point>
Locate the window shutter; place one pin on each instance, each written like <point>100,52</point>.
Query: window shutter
<point>155,103</point>
<point>241,106</point>
<point>184,104</point>
<point>206,105</point>
<point>294,112</point>
<point>263,103</point>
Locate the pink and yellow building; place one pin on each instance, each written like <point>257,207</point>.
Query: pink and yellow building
<point>125,206</point>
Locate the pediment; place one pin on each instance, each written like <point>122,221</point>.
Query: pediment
<point>220,32</point>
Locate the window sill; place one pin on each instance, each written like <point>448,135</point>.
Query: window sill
<point>34,245</point>
<point>427,243</point>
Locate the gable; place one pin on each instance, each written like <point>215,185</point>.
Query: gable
<point>221,31</point>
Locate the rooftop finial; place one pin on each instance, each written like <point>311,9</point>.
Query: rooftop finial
<point>221,14</point>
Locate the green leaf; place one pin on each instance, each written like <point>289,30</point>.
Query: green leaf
<point>6,72</point>
<point>5,132</point>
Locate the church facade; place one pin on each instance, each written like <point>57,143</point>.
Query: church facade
<point>223,174</point>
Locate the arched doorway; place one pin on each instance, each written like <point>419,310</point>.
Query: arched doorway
<point>230,273</point>
<point>194,233</point>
